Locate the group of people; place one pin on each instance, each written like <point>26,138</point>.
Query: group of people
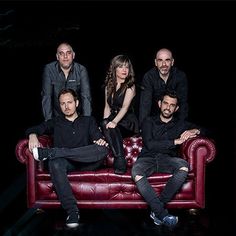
<point>80,143</point>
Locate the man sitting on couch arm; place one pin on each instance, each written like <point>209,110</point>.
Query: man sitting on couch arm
<point>162,134</point>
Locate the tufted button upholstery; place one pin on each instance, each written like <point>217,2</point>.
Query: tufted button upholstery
<point>132,147</point>
<point>104,189</point>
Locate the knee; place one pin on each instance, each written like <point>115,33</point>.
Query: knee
<point>183,165</point>
<point>184,169</point>
<point>182,172</point>
<point>136,177</point>
<point>104,123</point>
<point>102,149</point>
<point>56,165</point>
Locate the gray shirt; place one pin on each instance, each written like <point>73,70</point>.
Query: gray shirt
<point>54,80</point>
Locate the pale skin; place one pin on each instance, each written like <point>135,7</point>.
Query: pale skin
<point>121,74</point>
<point>168,107</point>
<point>164,61</point>
<point>68,106</point>
<point>65,56</point>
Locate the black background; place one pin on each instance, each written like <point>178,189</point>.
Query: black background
<point>200,34</point>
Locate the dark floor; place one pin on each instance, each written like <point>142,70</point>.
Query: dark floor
<point>110,222</point>
<point>16,219</point>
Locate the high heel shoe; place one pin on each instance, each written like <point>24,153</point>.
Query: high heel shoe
<point>120,165</point>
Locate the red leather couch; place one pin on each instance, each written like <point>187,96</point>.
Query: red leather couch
<point>104,189</point>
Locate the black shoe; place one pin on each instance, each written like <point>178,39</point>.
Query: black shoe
<point>41,154</point>
<point>72,220</point>
<point>120,166</point>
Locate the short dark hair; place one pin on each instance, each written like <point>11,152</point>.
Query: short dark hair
<point>170,93</point>
<point>71,91</point>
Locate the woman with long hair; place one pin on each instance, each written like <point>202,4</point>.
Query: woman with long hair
<point>119,119</point>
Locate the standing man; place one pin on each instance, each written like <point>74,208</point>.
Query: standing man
<point>78,145</point>
<point>161,77</point>
<point>162,134</point>
<point>65,73</point>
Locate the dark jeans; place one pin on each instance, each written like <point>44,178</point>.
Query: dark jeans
<point>60,166</point>
<point>90,153</point>
<point>114,138</point>
<point>146,166</point>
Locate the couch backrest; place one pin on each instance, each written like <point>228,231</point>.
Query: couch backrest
<point>132,147</point>
<point>196,151</point>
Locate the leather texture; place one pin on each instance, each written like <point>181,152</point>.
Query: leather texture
<point>104,189</point>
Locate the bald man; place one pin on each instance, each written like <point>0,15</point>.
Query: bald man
<point>163,76</point>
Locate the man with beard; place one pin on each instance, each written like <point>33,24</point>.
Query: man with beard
<point>78,144</point>
<point>164,76</point>
<point>65,73</point>
<point>162,134</point>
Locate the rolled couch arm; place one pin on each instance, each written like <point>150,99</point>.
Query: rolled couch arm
<point>198,147</point>
<point>22,151</point>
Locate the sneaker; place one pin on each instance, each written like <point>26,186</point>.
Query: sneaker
<point>170,220</point>
<point>72,220</point>
<point>41,154</point>
<point>155,219</point>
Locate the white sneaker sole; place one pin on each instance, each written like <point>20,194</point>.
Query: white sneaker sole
<point>36,154</point>
<point>156,222</point>
<point>72,225</point>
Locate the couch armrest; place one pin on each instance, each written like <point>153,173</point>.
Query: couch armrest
<point>198,147</point>
<point>22,151</point>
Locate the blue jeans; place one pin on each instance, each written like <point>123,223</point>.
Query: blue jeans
<point>60,165</point>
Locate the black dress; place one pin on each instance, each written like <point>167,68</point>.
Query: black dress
<point>129,122</point>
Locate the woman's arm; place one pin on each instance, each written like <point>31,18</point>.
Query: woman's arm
<point>107,110</point>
